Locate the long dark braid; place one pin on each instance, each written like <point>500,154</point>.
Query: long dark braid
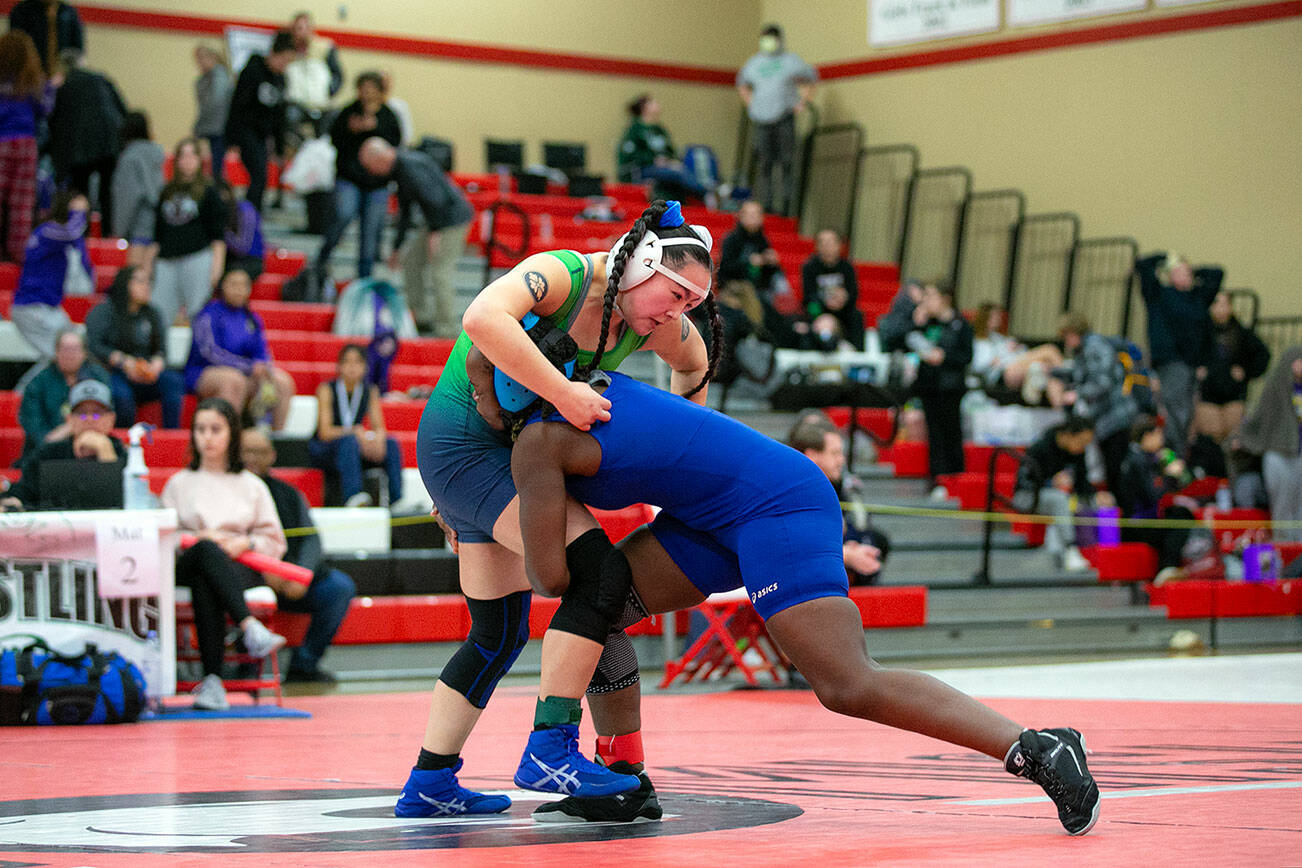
<point>716,344</point>
<point>615,272</point>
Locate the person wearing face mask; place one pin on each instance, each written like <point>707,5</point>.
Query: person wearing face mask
<point>1176,298</point>
<point>37,309</point>
<point>775,84</point>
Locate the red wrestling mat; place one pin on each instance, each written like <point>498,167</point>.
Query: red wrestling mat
<point>746,778</point>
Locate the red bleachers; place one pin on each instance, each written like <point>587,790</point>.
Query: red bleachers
<point>11,445</point>
<point>971,488</point>
<point>1208,599</point>
<point>874,419</point>
<point>402,415</point>
<point>1236,527</point>
<point>308,375</point>
<point>107,252</point>
<point>9,402</point>
<point>308,480</point>
<point>908,457</point>
<point>1127,562</point>
<point>308,346</point>
<point>291,315</point>
<point>444,617</point>
<point>9,274</point>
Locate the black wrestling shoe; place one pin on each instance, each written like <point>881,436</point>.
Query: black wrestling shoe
<point>634,807</point>
<point>1055,759</point>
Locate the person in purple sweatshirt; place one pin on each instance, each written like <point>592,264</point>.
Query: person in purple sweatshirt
<point>25,97</point>
<point>229,357</point>
<point>37,310</point>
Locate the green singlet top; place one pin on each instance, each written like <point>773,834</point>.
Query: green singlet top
<point>454,385</point>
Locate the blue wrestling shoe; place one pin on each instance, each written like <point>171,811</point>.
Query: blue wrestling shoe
<point>552,763</point>
<point>436,793</point>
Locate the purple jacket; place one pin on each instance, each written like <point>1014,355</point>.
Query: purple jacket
<point>18,115</point>
<point>225,335</point>
<point>46,264</point>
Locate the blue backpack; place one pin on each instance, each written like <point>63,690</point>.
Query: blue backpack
<point>40,686</point>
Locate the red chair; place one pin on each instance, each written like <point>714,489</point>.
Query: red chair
<point>733,630</point>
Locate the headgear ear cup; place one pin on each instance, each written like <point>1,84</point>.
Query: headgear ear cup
<point>650,250</point>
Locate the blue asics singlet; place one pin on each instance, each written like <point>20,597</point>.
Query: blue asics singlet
<point>723,488</point>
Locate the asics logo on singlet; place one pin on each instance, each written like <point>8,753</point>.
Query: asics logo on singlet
<point>762,591</point>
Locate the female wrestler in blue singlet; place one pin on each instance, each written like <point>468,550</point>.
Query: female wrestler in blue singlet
<point>739,509</point>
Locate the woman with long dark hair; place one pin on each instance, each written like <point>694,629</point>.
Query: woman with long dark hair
<point>231,512</point>
<point>127,336</point>
<point>25,98</point>
<point>189,236</point>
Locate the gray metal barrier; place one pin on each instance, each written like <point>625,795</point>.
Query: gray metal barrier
<point>1101,276</point>
<point>1041,273</point>
<point>883,202</point>
<point>830,179</point>
<point>933,225</point>
<point>985,260</point>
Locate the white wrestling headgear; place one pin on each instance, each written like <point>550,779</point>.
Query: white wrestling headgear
<point>646,258</point>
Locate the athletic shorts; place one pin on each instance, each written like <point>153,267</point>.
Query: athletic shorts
<point>782,560</point>
<point>466,467</point>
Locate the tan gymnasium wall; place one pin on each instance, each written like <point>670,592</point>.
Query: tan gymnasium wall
<point>467,101</point>
<point>1190,141</point>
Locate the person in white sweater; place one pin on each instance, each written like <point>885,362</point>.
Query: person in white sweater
<point>231,512</point>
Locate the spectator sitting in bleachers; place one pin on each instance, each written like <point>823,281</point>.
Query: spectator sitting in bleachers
<point>1094,384</point>
<point>646,153</point>
<point>831,296</point>
<point>231,512</point>
<point>1273,431</point>
<point>943,341</point>
<point>1052,471</point>
<point>1234,356</point>
<point>751,274</point>
<point>137,186</point>
<point>25,98</point>
<point>342,444</point>
<point>1150,471</point>
<point>245,247</point>
<point>189,237</point>
<point>127,336</point>
<point>89,436</point>
<point>864,547</point>
<point>43,408</point>
<point>894,325</point>
<point>327,598</point>
<point>48,274</point>
<point>1009,370</point>
<point>229,357</point>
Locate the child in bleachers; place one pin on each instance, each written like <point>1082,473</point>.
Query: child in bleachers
<point>1052,470</point>
<point>342,444</point>
<point>1007,367</point>
<point>1150,472</point>
<point>48,271</point>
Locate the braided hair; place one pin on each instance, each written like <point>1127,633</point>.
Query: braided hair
<point>675,255</point>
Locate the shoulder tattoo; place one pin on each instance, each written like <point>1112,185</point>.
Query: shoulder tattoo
<point>687,328</point>
<point>536,284</point>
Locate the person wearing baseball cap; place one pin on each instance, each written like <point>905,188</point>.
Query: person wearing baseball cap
<point>90,422</point>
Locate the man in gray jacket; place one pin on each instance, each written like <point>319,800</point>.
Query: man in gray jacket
<point>428,261</point>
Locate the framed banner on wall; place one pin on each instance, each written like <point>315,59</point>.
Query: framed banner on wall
<point>898,22</point>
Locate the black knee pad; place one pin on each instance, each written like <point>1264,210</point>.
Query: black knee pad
<point>600,577</point>
<point>499,630</point>
<point>617,667</point>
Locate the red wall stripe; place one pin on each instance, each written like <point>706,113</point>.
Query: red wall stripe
<point>383,42</point>
<point>474,52</point>
<point>1065,39</point>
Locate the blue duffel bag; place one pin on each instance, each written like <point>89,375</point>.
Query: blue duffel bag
<point>41,686</point>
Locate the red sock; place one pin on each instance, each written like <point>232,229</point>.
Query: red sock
<point>616,748</point>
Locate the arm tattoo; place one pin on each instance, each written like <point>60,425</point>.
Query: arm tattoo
<point>536,284</point>
<point>687,329</point>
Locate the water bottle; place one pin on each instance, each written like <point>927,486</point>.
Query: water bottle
<point>152,669</point>
<point>135,475</point>
<point>1224,500</point>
